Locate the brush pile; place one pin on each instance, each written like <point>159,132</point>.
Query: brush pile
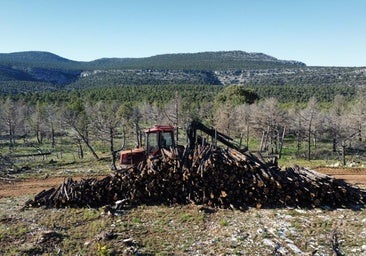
<point>207,175</point>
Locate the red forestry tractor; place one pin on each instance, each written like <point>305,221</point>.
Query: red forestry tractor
<point>161,137</point>
<point>156,138</point>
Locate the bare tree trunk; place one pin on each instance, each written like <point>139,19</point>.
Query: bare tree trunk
<point>298,142</point>
<point>262,141</point>
<point>81,150</point>
<point>91,149</point>
<point>309,142</point>
<point>111,148</point>
<point>86,141</point>
<point>241,139</point>
<point>247,136</point>
<point>115,152</point>
<point>277,141</point>
<point>281,142</point>
<point>176,117</point>
<point>39,136</point>
<point>344,153</point>
<point>266,139</point>
<point>137,131</point>
<point>334,144</point>
<point>11,137</point>
<point>53,136</point>
<point>359,134</point>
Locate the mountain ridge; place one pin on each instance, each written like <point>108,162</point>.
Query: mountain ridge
<point>42,58</point>
<point>21,71</point>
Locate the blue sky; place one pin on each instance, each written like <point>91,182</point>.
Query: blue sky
<point>317,32</point>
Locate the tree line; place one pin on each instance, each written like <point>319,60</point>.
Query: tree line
<point>161,94</point>
<point>100,125</point>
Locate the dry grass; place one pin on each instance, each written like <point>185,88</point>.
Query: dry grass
<point>179,230</point>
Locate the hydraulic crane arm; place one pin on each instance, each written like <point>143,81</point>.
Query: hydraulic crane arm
<point>223,138</point>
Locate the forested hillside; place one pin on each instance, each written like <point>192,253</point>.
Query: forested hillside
<point>31,72</point>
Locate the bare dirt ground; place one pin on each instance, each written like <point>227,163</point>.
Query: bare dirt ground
<point>355,176</point>
<point>20,187</point>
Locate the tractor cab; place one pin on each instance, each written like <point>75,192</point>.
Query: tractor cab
<point>156,138</point>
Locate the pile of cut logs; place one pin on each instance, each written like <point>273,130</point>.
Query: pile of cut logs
<point>207,175</point>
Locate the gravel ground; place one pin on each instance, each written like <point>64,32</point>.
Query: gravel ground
<point>179,230</point>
